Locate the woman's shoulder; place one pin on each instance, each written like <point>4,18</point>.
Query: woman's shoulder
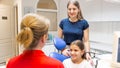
<point>65,19</point>
<point>83,20</point>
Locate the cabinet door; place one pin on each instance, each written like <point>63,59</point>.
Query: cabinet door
<point>6,48</point>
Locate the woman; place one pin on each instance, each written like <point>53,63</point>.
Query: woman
<point>75,27</point>
<point>77,59</point>
<point>33,35</point>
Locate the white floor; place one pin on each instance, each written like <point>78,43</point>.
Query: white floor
<point>104,61</point>
<point>3,66</point>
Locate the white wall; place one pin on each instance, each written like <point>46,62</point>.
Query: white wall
<point>93,10</point>
<point>100,10</point>
<point>102,16</point>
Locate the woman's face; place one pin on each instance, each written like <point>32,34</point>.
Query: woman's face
<point>76,53</point>
<point>72,11</point>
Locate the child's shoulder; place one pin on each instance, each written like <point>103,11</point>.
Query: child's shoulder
<point>67,60</point>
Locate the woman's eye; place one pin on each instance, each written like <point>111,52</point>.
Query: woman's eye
<point>74,9</point>
<point>69,9</point>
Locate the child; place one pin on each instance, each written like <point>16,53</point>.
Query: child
<point>77,59</point>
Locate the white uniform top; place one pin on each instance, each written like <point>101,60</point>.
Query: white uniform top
<point>69,64</point>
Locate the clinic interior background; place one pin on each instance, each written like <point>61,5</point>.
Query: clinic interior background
<point>102,15</point>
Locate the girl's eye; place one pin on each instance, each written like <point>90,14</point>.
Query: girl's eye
<point>75,50</point>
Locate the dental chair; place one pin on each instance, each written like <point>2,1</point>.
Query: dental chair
<point>59,45</point>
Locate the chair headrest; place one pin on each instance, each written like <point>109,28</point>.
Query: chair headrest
<point>59,43</point>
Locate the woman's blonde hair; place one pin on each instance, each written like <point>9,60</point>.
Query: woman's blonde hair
<point>33,27</point>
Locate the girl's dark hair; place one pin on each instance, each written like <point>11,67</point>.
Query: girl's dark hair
<point>80,44</point>
<point>76,3</point>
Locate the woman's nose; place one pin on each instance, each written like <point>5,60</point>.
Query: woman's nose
<point>71,11</point>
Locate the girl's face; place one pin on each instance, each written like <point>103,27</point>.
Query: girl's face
<point>76,53</point>
<point>72,11</point>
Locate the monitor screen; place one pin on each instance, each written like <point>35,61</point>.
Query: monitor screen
<point>118,52</point>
